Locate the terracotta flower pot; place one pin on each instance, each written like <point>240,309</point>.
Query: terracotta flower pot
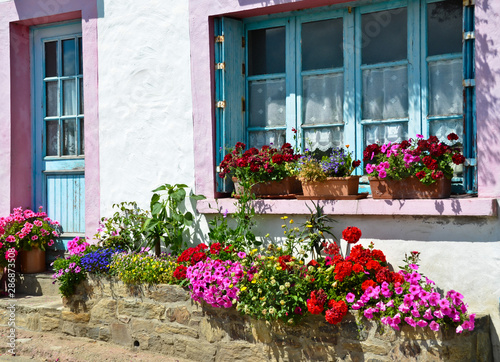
<point>409,188</point>
<point>287,186</point>
<point>32,261</point>
<point>332,186</point>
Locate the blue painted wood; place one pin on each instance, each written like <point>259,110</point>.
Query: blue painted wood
<point>59,181</point>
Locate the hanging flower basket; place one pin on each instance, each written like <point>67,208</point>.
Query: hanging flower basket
<point>409,188</point>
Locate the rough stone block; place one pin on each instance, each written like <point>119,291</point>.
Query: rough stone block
<point>104,334</point>
<point>176,329</point>
<point>261,331</point>
<point>240,351</point>
<point>120,334</point>
<point>145,310</point>
<point>75,317</point>
<point>165,293</point>
<point>103,311</point>
<point>211,332</point>
<point>142,325</point>
<point>49,324</point>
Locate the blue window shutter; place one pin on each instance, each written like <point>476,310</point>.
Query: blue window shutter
<point>229,88</point>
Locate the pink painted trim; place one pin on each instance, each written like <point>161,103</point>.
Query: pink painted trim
<point>202,75</point>
<point>15,111</point>
<point>443,207</point>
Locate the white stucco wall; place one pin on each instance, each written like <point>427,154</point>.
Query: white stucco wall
<point>146,139</point>
<point>144,99</point>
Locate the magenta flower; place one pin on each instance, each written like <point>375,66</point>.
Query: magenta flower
<point>350,297</point>
<point>410,321</point>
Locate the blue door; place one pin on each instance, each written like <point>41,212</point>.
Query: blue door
<point>59,148</point>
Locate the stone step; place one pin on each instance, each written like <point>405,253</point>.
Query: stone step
<point>36,284</point>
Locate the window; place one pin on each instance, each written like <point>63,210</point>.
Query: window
<point>349,76</point>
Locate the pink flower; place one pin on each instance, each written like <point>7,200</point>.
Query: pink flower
<point>34,237</point>
<point>350,297</point>
<point>10,238</point>
<point>370,168</point>
<point>38,223</point>
<point>410,321</point>
<point>50,243</point>
<point>382,174</point>
<point>422,323</point>
<point>420,136</point>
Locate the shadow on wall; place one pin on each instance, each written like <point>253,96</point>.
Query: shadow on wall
<point>44,11</point>
<point>487,101</point>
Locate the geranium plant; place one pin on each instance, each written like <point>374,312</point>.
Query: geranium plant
<point>28,229</point>
<point>427,159</point>
<point>317,166</point>
<point>262,165</point>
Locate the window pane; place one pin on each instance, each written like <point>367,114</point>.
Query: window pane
<point>69,57</point>
<point>69,97</point>
<point>81,150</point>
<point>275,138</point>
<point>384,36</point>
<point>80,82</point>
<point>322,44</point>
<point>51,99</point>
<point>266,51</point>
<point>80,58</point>
<point>51,59</point>
<point>445,87</point>
<point>267,103</point>
<point>444,23</point>
<point>323,97</point>
<point>384,133</point>
<point>52,135</point>
<point>68,138</point>
<point>324,138</point>
<point>441,129</point>
<point>385,93</point>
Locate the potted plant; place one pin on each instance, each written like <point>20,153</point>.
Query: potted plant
<point>328,175</point>
<point>268,171</point>
<point>30,232</point>
<point>413,169</point>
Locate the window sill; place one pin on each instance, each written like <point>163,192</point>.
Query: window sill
<point>454,206</point>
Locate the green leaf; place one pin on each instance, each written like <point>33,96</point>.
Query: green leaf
<point>161,188</point>
<point>197,197</point>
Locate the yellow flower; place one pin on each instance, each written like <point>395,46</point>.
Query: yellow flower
<point>291,221</point>
<point>278,267</point>
<point>309,226</point>
<point>283,226</point>
<point>243,289</point>
<point>284,218</point>
<point>254,281</point>
<point>267,235</point>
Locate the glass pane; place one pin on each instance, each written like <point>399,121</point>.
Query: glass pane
<point>322,44</point>
<point>441,129</point>
<point>51,59</point>
<point>384,133</point>
<point>384,36</point>
<point>80,81</point>
<point>69,57</point>
<point>69,97</point>
<point>80,58</point>
<point>275,138</point>
<point>444,27</point>
<point>266,51</point>
<point>324,138</point>
<point>323,98</point>
<point>81,150</point>
<point>445,87</point>
<point>51,99</point>
<point>267,103</point>
<point>68,138</point>
<point>385,93</point>
<point>51,135</point>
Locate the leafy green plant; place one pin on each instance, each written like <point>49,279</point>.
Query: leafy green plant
<point>68,273</point>
<point>124,230</point>
<point>168,223</point>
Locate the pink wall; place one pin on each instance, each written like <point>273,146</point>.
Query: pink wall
<point>201,36</point>
<point>15,99</point>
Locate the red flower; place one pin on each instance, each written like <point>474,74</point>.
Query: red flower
<point>180,272</point>
<point>458,159</point>
<point>331,248</point>
<point>336,312</point>
<point>379,255</point>
<point>358,268</point>
<point>430,163</point>
<point>452,137</point>
<point>356,163</point>
<point>351,234</point>
<point>200,256</point>
<point>283,260</point>
<point>420,175</point>
<point>384,275</point>
<point>368,283</point>
<point>215,248</point>
<point>315,305</point>
<point>313,263</point>
<point>373,264</point>
<point>343,270</point>
<point>278,159</point>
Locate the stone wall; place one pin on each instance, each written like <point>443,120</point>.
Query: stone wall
<point>164,319</point>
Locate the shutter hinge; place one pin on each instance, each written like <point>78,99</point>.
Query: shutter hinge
<point>243,69</point>
<point>219,39</point>
<point>243,42</point>
<point>467,83</point>
<point>349,9</point>
<point>469,2</point>
<point>243,107</point>
<point>468,35</point>
<point>220,66</point>
<point>220,104</point>
<point>470,162</point>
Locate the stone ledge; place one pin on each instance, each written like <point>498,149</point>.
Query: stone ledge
<point>111,311</point>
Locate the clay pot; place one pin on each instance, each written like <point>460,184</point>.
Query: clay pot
<point>409,188</point>
<point>32,261</point>
<point>332,186</point>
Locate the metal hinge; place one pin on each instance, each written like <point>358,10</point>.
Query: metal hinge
<point>243,42</point>
<point>243,69</point>
<point>468,35</point>
<point>243,107</point>
<point>219,39</point>
<point>220,104</point>
<point>219,66</point>
<point>470,162</point>
<point>469,2</point>
<point>467,83</point>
